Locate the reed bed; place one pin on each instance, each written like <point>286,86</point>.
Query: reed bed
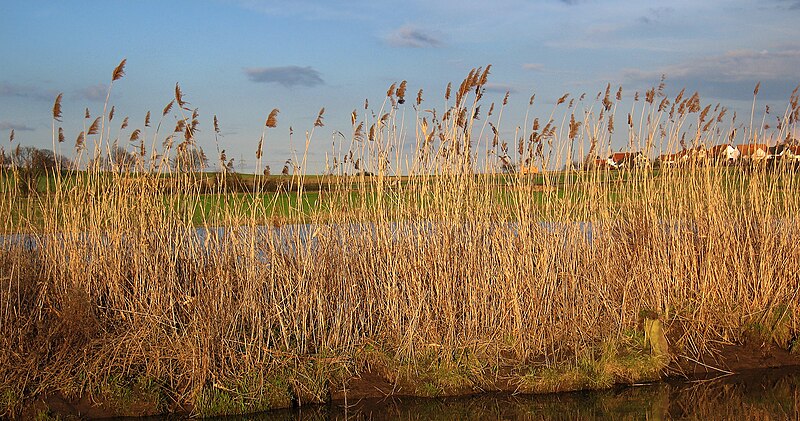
<point>435,268</point>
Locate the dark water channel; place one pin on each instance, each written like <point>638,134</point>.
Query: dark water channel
<point>762,394</point>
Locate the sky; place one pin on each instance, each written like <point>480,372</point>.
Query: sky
<point>239,59</point>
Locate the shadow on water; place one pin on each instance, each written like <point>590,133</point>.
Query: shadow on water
<point>760,394</point>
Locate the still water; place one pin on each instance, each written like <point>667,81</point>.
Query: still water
<point>762,395</point>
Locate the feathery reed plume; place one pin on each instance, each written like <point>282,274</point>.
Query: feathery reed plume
<point>147,119</point>
<point>358,134</point>
<point>95,127</point>
<point>86,114</point>
<point>755,91</point>
<point>272,119</point>
<point>663,104</point>
<point>60,135</point>
<point>505,98</point>
<point>693,105</point>
<point>447,91</point>
<point>216,125</point>
<point>318,122</point>
<point>111,114</point>
<point>607,104</point>
<point>135,135</point>
<point>124,123</point>
<point>353,118</point>
<point>57,107</point>
<point>573,127</point>
<point>179,96</point>
<point>390,91</point>
<point>167,108</point>
<point>562,99</point>
<point>179,126</point>
<point>419,97</point>
<point>491,110</point>
<point>366,103</point>
<point>401,93</point>
<point>662,84</point>
<point>11,136</point>
<point>119,71</point>
<point>79,140</point>
<point>484,76</point>
<point>619,94</point>
<point>259,148</point>
<point>533,98</point>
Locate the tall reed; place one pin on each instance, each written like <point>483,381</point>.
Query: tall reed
<point>436,256</point>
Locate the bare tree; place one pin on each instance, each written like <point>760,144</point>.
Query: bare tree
<point>189,158</point>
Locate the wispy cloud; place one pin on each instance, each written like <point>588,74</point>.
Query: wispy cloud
<point>789,4</point>
<point>537,67</point>
<point>8,89</point>
<point>414,37</point>
<point>4,125</point>
<point>311,9</point>
<point>500,87</point>
<point>656,15</point>
<point>285,75</point>
<point>93,93</point>
<point>732,75</point>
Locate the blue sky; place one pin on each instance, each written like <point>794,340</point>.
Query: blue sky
<point>239,59</point>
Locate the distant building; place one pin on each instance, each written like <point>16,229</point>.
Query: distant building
<point>753,152</point>
<point>724,154</point>
<point>629,160</point>
<point>784,153</point>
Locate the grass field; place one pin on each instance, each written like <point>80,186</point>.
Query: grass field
<point>436,279</point>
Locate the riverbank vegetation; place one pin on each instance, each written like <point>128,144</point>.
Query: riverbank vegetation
<point>412,275</point>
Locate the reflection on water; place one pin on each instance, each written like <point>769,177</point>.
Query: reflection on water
<point>763,394</point>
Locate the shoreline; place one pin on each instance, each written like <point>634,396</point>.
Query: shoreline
<point>375,385</point>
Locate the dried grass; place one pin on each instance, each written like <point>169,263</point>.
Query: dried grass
<point>453,256</point>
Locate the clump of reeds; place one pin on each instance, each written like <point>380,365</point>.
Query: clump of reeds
<point>452,255</point>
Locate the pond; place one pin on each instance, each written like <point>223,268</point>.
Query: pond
<point>758,394</point>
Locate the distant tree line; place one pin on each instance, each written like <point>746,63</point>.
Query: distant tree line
<point>28,164</point>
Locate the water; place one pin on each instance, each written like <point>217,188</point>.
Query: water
<point>759,394</point>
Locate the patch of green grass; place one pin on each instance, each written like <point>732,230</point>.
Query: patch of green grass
<point>252,393</point>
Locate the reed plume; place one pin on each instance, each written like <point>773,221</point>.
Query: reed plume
<point>272,119</point>
<point>57,108</point>
<point>94,128</point>
<point>318,122</point>
<point>119,71</point>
